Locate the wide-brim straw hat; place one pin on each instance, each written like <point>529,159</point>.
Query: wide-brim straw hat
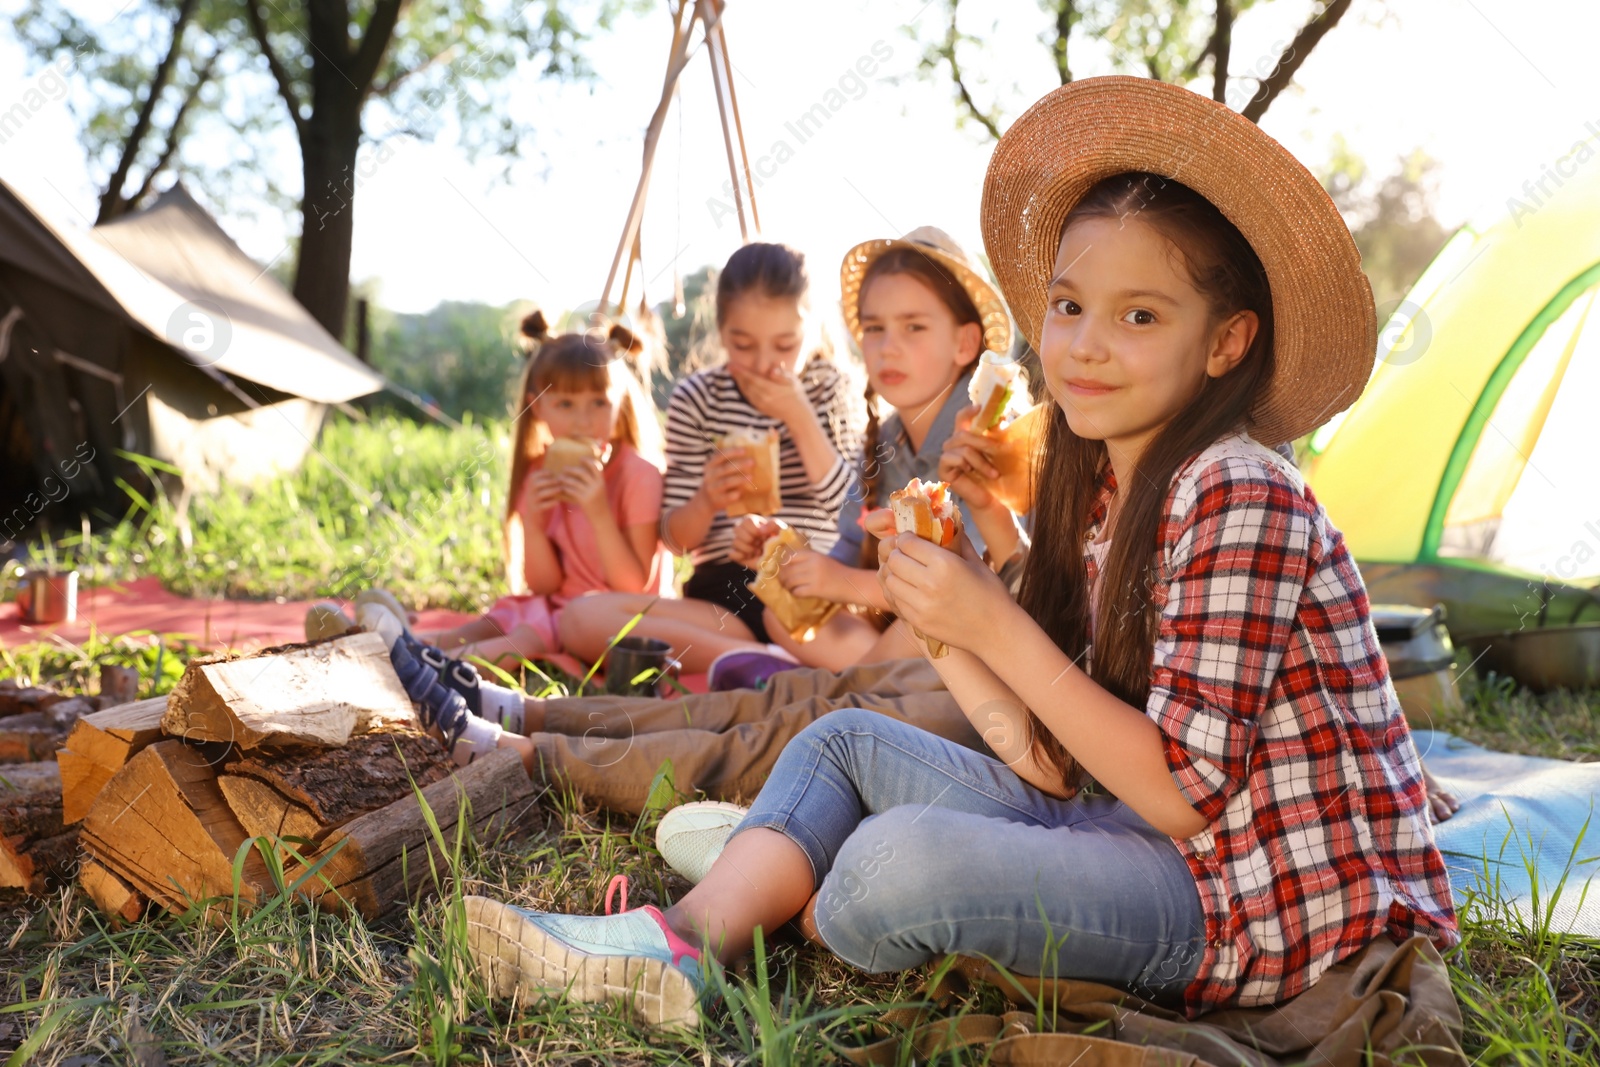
<point>943,250</point>
<point>1324,324</point>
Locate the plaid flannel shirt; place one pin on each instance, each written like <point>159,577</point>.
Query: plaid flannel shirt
<point>1283,730</point>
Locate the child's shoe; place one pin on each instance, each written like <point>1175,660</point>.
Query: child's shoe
<point>690,837</point>
<point>746,669</point>
<point>633,957</point>
<point>388,600</point>
<point>327,618</point>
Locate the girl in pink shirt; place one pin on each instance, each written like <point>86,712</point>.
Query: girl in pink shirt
<point>593,527</point>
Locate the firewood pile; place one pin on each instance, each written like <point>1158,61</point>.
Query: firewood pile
<point>306,759</point>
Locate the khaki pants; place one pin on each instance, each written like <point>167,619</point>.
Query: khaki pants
<point>609,748</point>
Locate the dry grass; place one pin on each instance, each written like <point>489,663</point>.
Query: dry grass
<point>288,985</point>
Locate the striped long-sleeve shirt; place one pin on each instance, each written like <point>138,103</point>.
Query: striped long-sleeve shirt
<point>708,403</point>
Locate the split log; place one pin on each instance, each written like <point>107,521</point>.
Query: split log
<point>162,824</point>
<point>381,860</point>
<point>43,776</point>
<point>116,899</point>
<point>308,796</point>
<point>301,696</point>
<point>18,699</point>
<point>32,736</point>
<point>37,851</point>
<point>99,746</point>
<point>118,685</point>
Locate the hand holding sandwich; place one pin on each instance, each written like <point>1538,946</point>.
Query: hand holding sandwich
<point>947,595</point>
<point>750,538</point>
<point>727,475</point>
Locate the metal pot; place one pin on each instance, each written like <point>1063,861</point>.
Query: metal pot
<point>47,597</point>
<point>1421,660</point>
<point>1553,657</point>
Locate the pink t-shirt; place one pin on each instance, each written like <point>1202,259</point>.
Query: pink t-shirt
<point>633,492</point>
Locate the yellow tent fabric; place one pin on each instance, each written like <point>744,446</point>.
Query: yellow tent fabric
<point>1472,444</point>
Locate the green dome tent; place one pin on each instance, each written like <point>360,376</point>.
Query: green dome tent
<point>1466,473</point>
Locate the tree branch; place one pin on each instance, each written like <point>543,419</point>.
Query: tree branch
<point>175,131</point>
<point>382,91</point>
<point>112,201</point>
<point>258,27</point>
<point>1220,48</point>
<point>1294,55</point>
<point>961,86</point>
<point>375,42</point>
<point>1066,15</point>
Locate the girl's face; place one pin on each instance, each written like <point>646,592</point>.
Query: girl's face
<point>912,344</point>
<point>590,413</point>
<point>763,333</point>
<point>1127,339</point>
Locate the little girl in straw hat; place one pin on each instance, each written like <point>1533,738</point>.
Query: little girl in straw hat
<point>1190,633</point>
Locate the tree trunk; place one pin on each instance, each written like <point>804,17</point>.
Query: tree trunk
<point>328,165</point>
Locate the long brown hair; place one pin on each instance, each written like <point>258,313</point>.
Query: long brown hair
<point>1055,584</point>
<point>574,362</point>
<point>930,272</point>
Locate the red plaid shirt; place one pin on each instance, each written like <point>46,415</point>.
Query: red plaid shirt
<point>1282,728</point>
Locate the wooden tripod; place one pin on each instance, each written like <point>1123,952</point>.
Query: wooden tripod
<point>685,14</point>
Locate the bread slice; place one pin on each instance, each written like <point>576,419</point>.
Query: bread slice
<point>928,510</point>
<point>564,453</point>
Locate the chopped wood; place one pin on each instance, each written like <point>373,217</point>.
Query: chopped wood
<point>162,824</point>
<point>116,899</point>
<point>99,746</point>
<point>310,696</point>
<point>118,685</point>
<point>18,699</point>
<point>338,784</point>
<point>29,778</point>
<point>37,851</point>
<point>265,812</point>
<point>29,737</point>
<point>381,861</point>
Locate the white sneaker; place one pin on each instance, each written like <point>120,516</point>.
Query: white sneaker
<point>690,837</point>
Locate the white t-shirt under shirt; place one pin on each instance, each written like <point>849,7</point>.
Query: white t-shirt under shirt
<point>708,403</point>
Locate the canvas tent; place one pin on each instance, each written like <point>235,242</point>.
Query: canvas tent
<point>1465,473</point>
<point>154,334</point>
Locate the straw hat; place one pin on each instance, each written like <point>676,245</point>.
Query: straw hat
<point>1324,324</point>
<point>942,249</point>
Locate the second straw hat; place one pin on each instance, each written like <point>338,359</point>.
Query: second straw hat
<point>942,249</point>
<point>1324,325</point>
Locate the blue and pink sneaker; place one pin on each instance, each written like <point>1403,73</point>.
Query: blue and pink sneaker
<point>632,957</point>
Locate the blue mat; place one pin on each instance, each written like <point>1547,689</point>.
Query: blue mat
<point>1522,822</point>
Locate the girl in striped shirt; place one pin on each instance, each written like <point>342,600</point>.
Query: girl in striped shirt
<point>778,377</point>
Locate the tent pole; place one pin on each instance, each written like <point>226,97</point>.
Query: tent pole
<point>718,78</point>
<point>738,125</point>
<point>676,62</point>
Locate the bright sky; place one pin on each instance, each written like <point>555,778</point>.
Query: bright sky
<point>1493,89</point>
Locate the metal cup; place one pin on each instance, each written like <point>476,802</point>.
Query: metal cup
<point>636,666</point>
<point>47,597</point>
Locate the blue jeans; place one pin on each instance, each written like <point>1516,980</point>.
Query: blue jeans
<point>920,847</point>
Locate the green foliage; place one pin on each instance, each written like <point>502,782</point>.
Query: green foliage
<point>109,65</point>
<point>1391,218</point>
<point>691,332</point>
<point>459,355</point>
<point>416,509</point>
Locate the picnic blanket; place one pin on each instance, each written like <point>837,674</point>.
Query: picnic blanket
<point>1523,824</point>
<point>144,606</point>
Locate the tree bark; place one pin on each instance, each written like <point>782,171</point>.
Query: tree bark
<point>1066,17</point>
<point>1221,48</point>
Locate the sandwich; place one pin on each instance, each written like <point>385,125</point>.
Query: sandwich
<point>762,494</point>
<point>801,616</point>
<point>564,453</point>
<point>1017,446</point>
<point>991,390</point>
<point>928,510</point>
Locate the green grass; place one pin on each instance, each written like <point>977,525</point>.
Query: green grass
<point>387,502</point>
<point>290,985</point>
